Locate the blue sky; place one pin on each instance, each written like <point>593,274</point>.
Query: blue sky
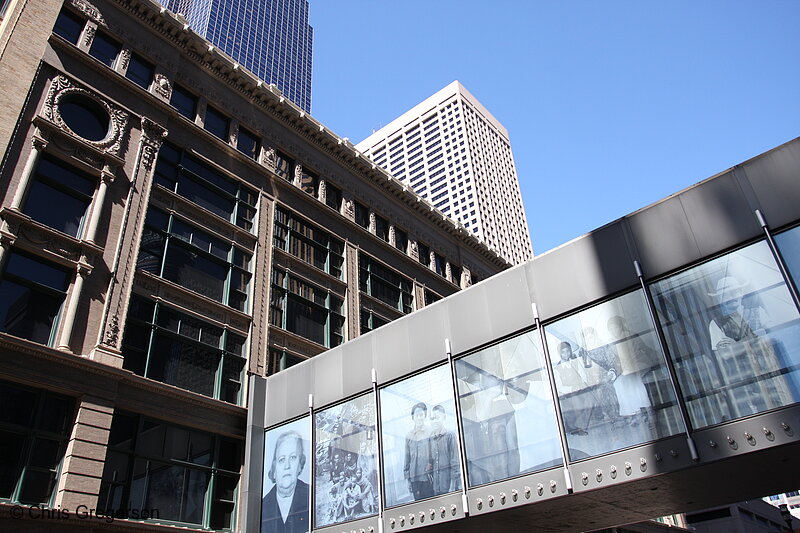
<point>609,105</point>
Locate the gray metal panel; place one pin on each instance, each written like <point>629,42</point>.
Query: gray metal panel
<point>775,179</point>
<point>425,513</point>
<point>585,270</point>
<point>338,373</point>
<point>495,307</point>
<point>663,237</point>
<point>719,214</point>
<point>364,525</point>
<point>254,446</point>
<point>517,491</point>
<point>390,346</point>
<point>287,393</point>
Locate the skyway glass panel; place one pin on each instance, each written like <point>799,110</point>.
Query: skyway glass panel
<point>611,376</point>
<point>345,469</point>
<point>287,478</point>
<point>420,446</point>
<point>509,420</point>
<point>733,332</point>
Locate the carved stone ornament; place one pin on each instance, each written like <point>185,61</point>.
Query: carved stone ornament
<point>112,332</point>
<point>270,158</point>
<point>163,87</point>
<point>152,137</point>
<point>349,208</point>
<point>89,10</point>
<point>90,31</point>
<point>125,58</point>
<point>62,87</point>
<point>298,175</point>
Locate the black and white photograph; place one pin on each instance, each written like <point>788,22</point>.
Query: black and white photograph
<point>287,467</point>
<point>346,476</point>
<point>507,408</point>
<point>420,446</point>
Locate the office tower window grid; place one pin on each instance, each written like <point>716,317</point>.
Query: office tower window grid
<point>272,39</point>
<point>451,154</point>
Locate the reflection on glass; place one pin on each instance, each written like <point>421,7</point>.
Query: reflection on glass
<point>420,450</point>
<point>733,332</point>
<point>346,479</point>
<point>612,381</point>
<point>507,409</point>
<point>285,494</point>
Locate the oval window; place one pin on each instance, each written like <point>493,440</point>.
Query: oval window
<point>85,117</point>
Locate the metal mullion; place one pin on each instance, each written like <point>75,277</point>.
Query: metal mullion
<point>779,259</point>
<point>672,371</point>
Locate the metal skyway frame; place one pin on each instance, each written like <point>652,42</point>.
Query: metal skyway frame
<point>717,418</point>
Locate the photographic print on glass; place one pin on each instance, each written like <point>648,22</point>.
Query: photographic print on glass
<point>285,492</point>
<point>420,446</point>
<point>346,476</point>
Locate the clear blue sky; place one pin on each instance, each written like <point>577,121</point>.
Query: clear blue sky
<point>610,105</point>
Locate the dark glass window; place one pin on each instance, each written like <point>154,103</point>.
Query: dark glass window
<point>382,228</point>
<point>184,101</point>
<point>69,26</point>
<point>362,215</point>
<point>309,182</point>
<point>247,143</point>
<point>281,360</point>
<point>438,264</point>
<point>31,295</point>
<point>455,273</point>
<point>385,284</point>
<point>169,346</point>
<point>105,49</point>
<point>424,254</point>
<point>85,117</point>
<point>195,259</point>
<point>59,196</point>
<point>216,123</point>
<point>205,186</point>
<point>333,197</point>
<point>283,165</point>
<point>431,297</point>
<point>400,239</point>
<point>370,320</point>
<point>140,71</point>
<point>189,476</point>
<point>305,309</point>
<point>307,242</point>
<point>35,426</point>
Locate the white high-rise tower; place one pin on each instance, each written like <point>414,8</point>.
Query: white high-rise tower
<point>451,151</point>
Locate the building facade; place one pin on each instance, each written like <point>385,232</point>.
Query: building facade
<point>271,38</point>
<point>169,225</point>
<point>454,153</point>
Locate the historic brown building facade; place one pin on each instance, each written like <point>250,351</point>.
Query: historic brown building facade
<point>169,225</point>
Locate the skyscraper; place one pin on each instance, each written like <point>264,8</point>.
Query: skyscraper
<point>272,38</point>
<point>455,154</point>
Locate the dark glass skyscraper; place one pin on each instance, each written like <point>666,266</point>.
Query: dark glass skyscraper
<point>272,38</point>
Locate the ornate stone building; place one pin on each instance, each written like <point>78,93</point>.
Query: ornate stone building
<point>169,225</point>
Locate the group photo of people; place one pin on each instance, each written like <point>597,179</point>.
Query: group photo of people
<point>346,476</point>
<point>611,377</point>
<point>420,447</point>
<point>285,492</point>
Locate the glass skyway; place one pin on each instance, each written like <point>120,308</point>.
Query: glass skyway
<point>658,352</point>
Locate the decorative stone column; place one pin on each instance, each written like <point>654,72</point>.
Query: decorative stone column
<point>448,273</point>
<point>323,191</point>
<point>106,177</point>
<point>38,144</point>
<point>413,248</point>
<point>6,242</point>
<point>297,179</point>
<point>83,270</point>
<point>392,236</point>
<point>349,210</point>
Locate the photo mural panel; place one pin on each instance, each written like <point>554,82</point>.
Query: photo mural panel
<point>285,494</point>
<point>420,443</point>
<point>612,379</point>
<point>507,410</point>
<point>345,466</point>
<point>732,330</point>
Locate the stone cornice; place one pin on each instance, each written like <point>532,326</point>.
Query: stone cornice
<point>270,100</point>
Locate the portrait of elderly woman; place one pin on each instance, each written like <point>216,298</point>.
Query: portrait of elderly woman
<point>285,507</point>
